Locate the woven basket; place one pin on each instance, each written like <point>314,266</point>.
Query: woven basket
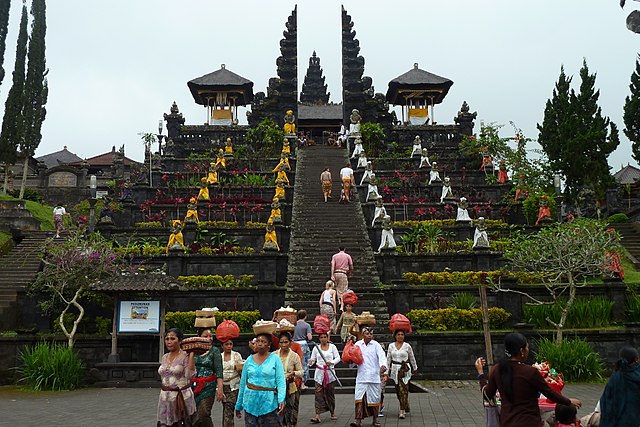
<point>285,328</point>
<point>291,316</point>
<point>205,322</point>
<point>267,328</point>
<point>365,320</point>
<point>198,345</point>
<point>205,313</point>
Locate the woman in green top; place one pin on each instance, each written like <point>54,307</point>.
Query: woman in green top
<point>207,383</point>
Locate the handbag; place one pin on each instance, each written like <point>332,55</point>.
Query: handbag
<point>491,410</point>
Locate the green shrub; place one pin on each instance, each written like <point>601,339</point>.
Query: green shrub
<point>584,313</point>
<point>463,300</point>
<point>617,218</point>
<point>574,358</point>
<point>217,281</point>
<point>148,224</point>
<point>50,366</point>
<point>103,325</point>
<point>632,307</point>
<point>29,194</point>
<point>454,319</point>
<point>185,319</point>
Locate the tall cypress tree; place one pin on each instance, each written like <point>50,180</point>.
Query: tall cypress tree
<point>576,137</point>
<point>631,114</point>
<point>12,124</point>
<point>5,6</point>
<point>35,89</point>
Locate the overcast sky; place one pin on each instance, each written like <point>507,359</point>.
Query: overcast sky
<point>117,66</point>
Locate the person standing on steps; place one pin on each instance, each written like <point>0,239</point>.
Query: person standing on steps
<point>374,364</point>
<point>346,175</point>
<point>302,334</point>
<point>341,270</point>
<point>325,180</point>
<point>58,218</point>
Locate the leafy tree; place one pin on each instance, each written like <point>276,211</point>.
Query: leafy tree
<point>263,139</point>
<point>12,126</point>
<point>35,89</point>
<point>576,137</point>
<point>373,137</point>
<point>631,114</point>
<point>564,254</point>
<point>69,270</point>
<point>5,6</point>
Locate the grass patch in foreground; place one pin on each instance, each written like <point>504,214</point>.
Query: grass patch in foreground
<point>631,275</point>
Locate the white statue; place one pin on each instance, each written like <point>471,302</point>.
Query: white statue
<point>358,148</point>
<point>362,161</point>
<point>387,241</point>
<point>463,213</point>
<point>446,190</point>
<point>355,118</point>
<point>480,238</point>
<point>368,171</point>
<point>416,150</point>
<point>424,159</point>
<point>372,189</point>
<point>379,213</point>
<point>434,175</point>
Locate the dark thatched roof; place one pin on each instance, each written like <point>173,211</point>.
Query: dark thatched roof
<point>219,81</point>
<point>417,80</point>
<point>627,175</point>
<point>320,112</point>
<point>62,157</point>
<point>146,282</point>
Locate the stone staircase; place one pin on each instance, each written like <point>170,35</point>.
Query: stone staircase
<point>630,232</point>
<point>17,269</point>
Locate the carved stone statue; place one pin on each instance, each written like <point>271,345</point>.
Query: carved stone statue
<point>503,177</point>
<point>282,174</point>
<point>362,161</point>
<point>106,214</point>
<point>366,176</point>
<point>379,213</point>
<point>127,192</point>
<point>447,192</point>
<point>220,160</point>
<point>289,123</point>
<point>169,148</point>
<point>544,212</point>
<point>203,194</point>
<point>355,118</point>
<point>228,148</point>
<point>212,178</point>
<point>416,150</point>
<point>286,146</point>
<point>387,241</point>
<point>521,186</point>
<point>276,212</point>
<point>192,211</point>
<point>372,189</point>
<point>463,213</point>
<point>358,148</point>
<point>279,189</point>
<point>283,164</point>
<point>176,240</point>
<point>424,159</point>
<point>157,164</point>
<point>434,174</point>
<point>270,238</point>
<point>480,238</point>
<point>487,160</point>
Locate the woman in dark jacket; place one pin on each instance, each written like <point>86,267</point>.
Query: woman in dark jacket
<point>519,385</point>
<point>620,402</point>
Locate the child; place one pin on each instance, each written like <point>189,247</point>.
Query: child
<point>566,416</point>
<point>343,197</point>
<point>347,320</point>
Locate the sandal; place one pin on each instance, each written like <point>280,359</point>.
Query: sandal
<point>376,425</point>
<point>333,418</point>
<point>401,416</point>
<point>315,421</point>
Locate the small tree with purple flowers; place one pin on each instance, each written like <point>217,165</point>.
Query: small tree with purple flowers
<point>69,269</point>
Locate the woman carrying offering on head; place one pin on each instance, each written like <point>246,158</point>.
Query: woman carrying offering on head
<point>176,404</point>
<point>324,356</point>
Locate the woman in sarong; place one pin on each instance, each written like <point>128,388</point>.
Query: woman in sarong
<point>58,218</point>
<point>328,303</point>
<point>326,182</point>
<point>207,383</point>
<point>231,369</point>
<point>402,364</point>
<point>324,356</point>
<point>292,371</point>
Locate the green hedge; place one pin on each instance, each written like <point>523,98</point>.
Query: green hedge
<point>217,281</point>
<point>593,312</point>
<point>455,319</point>
<point>186,319</point>
<point>467,277</point>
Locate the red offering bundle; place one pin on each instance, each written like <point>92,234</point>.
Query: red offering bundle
<point>352,354</point>
<point>350,298</point>
<point>400,322</point>
<point>227,330</point>
<point>321,324</point>
<point>551,376</point>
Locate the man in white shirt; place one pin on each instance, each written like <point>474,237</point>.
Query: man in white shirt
<point>368,390</point>
<point>346,174</point>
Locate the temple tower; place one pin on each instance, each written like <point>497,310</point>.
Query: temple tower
<point>314,90</point>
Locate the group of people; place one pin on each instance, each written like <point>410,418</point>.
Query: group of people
<point>346,178</point>
<point>519,385</point>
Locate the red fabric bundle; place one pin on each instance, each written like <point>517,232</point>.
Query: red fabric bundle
<point>352,354</point>
<point>399,322</point>
<point>321,324</point>
<point>227,330</point>
<point>349,298</point>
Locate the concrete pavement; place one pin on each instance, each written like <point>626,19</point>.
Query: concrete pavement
<point>449,403</point>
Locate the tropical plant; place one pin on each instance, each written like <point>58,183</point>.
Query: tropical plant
<point>632,307</point>
<point>50,366</point>
<point>463,300</point>
<point>574,358</point>
<point>373,137</point>
<point>263,140</point>
<point>584,313</point>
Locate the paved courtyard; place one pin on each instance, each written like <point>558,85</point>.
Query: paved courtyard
<point>448,404</point>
